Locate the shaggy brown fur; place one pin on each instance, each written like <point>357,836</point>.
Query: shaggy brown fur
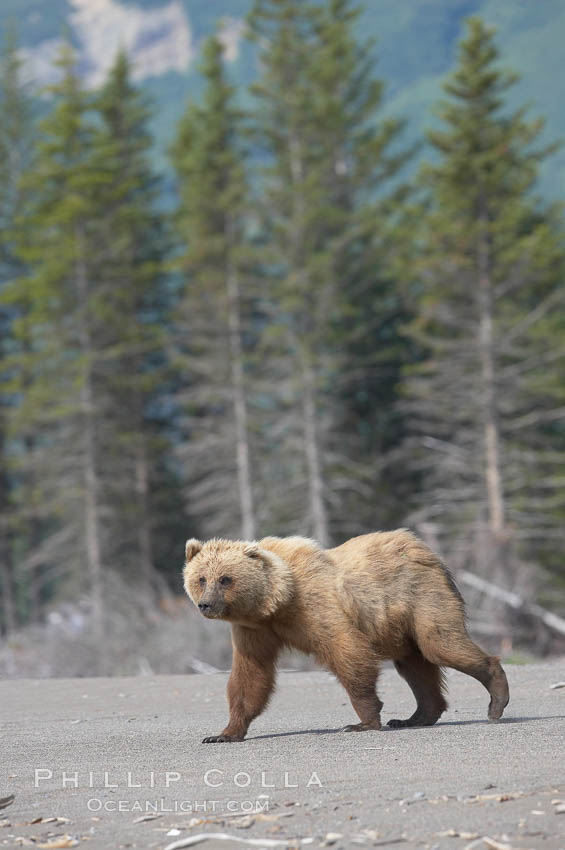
<point>378,596</point>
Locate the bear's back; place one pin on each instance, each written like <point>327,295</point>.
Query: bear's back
<point>385,551</point>
<point>303,555</point>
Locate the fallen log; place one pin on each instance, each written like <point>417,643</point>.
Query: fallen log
<point>513,600</point>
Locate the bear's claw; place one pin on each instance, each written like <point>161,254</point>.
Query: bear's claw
<point>218,739</point>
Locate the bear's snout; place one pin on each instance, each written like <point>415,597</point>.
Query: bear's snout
<point>213,612</point>
<point>212,605</point>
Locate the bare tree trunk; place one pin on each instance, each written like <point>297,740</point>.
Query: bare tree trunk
<point>34,581</point>
<point>240,408</point>
<point>312,452</point>
<point>6,578</point>
<point>493,477</point>
<point>6,565</point>
<point>35,596</point>
<point>91,514</point>
<point>153,578</point>
<point>91,517</point>
<point>143,526</point>
<point>313,461</point>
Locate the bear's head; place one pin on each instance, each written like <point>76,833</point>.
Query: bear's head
<point>235,580</point>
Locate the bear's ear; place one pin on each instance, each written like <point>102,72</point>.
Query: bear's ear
<point>192,548</point>
<point>252,550</point>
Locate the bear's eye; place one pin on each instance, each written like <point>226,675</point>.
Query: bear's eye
<point>225,581</point>
<point>202,581</point>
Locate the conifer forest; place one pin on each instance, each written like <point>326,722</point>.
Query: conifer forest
<point>290,330</point>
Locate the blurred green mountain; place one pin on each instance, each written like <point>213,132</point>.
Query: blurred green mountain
<point>416,47</point>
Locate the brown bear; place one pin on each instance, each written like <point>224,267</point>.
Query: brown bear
<point>378,596</point>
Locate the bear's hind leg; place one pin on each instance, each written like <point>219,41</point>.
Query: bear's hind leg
<point>456,649</point>
<point>428,685</point>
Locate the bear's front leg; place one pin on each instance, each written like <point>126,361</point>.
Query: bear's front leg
<point>251,681</point>
<point>367,705</point>
<point>358,671</point>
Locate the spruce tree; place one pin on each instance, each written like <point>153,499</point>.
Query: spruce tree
<point>60,250</point>
<point>16,140</point>
<point>329,159</point>
<point>486,398</point>
<point>212,313</point>
<point>132,242</point>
